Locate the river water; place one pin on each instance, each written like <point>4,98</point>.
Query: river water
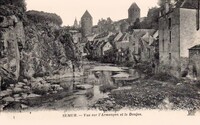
<point>94,76</point>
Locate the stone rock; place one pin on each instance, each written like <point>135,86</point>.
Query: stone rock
<point>43,82</point>
<point>25,80</point>
<point>109,103</point>
<point>39,79</point>
<point>57,87</point>
<point>24,95</point>
<point>35,84</point>
<point>12,85</point>
<point>17,90</point>
<point>8,99</point>
<point>33,96</point>
<point>24,106</point>
<point>5,93</point>
<point>178,84</point>
<point>18,86</point>
<point>54,92</point>
<point>21,83</point>
<point>13,106</point>
<point>16,95</point>
<point>27,87</point>
<point>17,99</point>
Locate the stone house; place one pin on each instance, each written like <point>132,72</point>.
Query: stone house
<point>95,47</point>
<point>144,41</point>
<point>177,33</point>
<point>194,59</point>
<point>148,46</point>
<point>124,46</point>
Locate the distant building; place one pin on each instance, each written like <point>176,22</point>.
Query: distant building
<point>133,13</point>
<point>86,24</point>
<point>76,35</point>
<point>124,26</point>
<point>76,24</point>
<point>194,59</point>
<point>144,41</point>
<point>177,33</point>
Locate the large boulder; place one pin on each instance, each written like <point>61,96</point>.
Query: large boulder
<point>5,93</point>
<point>8,99</point>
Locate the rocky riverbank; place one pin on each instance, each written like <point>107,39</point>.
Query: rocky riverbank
<point>18,96</point>
<point>152,94</point>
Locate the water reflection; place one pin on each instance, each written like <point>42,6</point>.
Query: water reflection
<point>93,79</point>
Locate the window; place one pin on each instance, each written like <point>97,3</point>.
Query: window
<point>163,44</point>
<point>170,36</point>
<point>170,23</point>
<point>170,57</point>
<point>163,41</point>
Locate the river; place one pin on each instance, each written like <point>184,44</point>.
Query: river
<point>87,86</point>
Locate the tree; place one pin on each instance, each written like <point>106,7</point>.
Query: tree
<point>18,3</point>
<point>43,17</point>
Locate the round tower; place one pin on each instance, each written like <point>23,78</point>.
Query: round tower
<point>133,13</point>
<point>86,24</point>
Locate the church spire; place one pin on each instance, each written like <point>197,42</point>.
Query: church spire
<point>75,23</point>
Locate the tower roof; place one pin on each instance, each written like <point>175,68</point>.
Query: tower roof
<point>134,6</point>
<point>86,14</point>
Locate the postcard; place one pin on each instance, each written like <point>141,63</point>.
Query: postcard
<point>99,62</point>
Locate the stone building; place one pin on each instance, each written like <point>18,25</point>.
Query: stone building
<point>76,24</point>
<point>86,24</point>
<point>133,13</point>
<point>194,59</point>
<point>177,33</point>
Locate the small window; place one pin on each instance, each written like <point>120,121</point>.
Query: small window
<point>170,57</point>
<point>170,36</point>
<point>170,23</point>
<point>163,43</point>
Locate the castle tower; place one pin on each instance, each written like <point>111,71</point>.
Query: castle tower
<point>133,13</point>
<point>86,23</point>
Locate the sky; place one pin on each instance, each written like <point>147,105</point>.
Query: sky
<point>68,10</point>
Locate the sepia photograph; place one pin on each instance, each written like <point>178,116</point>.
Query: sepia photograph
<point>119,59</point>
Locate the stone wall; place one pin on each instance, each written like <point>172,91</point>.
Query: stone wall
<point>189,36</point>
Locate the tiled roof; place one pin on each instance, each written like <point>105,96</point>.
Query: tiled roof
<point>122,37</point>
<point>134,6</point>
<point>102,35</point>
<point>86,14</point>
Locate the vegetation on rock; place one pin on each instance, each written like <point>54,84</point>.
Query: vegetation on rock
<point>43,17</point>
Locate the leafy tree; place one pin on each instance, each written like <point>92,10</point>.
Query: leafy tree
<point>18,3</point>
<point>43,17</point>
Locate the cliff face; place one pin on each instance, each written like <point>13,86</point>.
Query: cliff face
<point>43,52</point>
<point>11,37</point>
<point>33,49</point>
